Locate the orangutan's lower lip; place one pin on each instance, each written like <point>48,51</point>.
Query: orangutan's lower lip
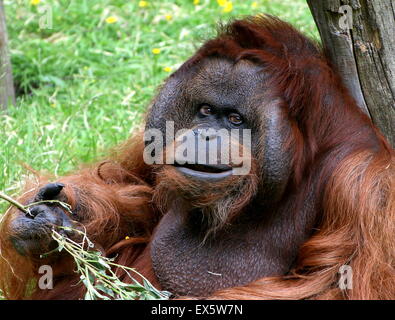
<point>203,175</point>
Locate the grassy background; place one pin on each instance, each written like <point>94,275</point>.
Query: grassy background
<point>84,83</point>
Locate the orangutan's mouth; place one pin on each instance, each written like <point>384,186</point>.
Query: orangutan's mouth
<point>205,171</point>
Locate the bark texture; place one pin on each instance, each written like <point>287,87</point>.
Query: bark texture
<point>7,94</point>
<point>361,45</point>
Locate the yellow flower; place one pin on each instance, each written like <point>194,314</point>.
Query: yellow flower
<point>143,4</point>
<point>167,69</point>
<point>222,3</point>
<point>168,17</point>
<point>155,50</point>
<point>196,2</point>
<point>127,238</point>
<point>254,5</point>
<point>111,19</point>
<point>35,2</point>
<point>228,7</point>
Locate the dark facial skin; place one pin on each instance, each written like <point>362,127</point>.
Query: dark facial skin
<point>182,97</point>
<point>261,241</point>
<point>231,92</point>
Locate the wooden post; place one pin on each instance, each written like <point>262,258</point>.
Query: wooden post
<point>359,37</point>
<point>7,94</point>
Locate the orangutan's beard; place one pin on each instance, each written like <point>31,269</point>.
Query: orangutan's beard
<point>219,202</point>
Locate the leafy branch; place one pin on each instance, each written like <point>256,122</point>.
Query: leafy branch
<point>98,275</point>
<point>96,271</point>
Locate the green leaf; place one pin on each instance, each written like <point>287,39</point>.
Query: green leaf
<point>105,290</point>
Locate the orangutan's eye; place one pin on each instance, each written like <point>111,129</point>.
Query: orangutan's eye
<point>206,110</point>
<point>235,119</point>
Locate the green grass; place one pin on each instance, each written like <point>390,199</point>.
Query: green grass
<point>85,83</point>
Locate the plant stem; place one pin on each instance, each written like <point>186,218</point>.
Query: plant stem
<point>14,202</point>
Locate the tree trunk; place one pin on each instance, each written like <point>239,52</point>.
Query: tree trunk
<point>359,37</point>
<point>7,94</point>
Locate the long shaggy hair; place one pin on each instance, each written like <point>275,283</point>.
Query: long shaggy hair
<point>340,157</point>
<point>219,202</point>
